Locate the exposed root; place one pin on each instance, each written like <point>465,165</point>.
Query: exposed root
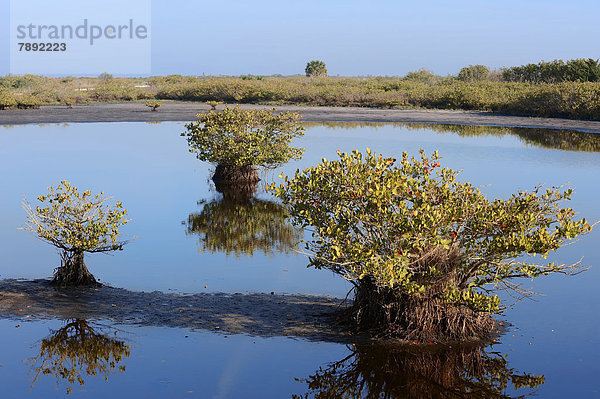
<point>236,174</point>
<point>73,271</point>
<point>384,312</point>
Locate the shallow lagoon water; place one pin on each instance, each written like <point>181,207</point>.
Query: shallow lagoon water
<point>147,166</point>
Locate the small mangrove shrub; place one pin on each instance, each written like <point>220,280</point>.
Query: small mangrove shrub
<point>154,105</point>
<point>213,104</point>
<point>69,101</point>
<point>76,222</point>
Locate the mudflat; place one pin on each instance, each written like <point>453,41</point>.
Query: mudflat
<point>186,111</point>
<point>265,315</point>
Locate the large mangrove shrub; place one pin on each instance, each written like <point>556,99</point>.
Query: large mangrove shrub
<point>426,253</point>
<point>76,222</point>
<point>240,140</point>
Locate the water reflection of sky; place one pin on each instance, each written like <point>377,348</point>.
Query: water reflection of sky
<point>147,166</point>
<point>167,362</point>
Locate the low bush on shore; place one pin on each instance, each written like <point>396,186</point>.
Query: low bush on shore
<point>576,100</point>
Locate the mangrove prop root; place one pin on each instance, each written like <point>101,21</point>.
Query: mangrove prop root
<point>235,174</point>
<point>387,313</point>
<point>73,271</point>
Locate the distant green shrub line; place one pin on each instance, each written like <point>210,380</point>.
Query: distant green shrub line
<point>582,70</point>
<point>576,100</point>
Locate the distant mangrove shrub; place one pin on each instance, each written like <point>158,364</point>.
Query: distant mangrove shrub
<point>426,253</point>
<point>424,76</point>
<point>7,100</point>
<point>105,76</point>
<point>69,101</point>
<point>28,101</point>
<point>578,70</point>
<point>315,68</point>
<point>251,77</point>
<point>154,105</point>
<point>474,73</point>
<point>239,140</point>
<point>213,104</point>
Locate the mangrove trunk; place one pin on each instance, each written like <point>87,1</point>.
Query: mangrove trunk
<point>73,271</point>
<point>235,174</point>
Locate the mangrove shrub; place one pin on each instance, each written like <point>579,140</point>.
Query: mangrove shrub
<point>426,253</point>
<point>154,105</point>
<point>474,73</point>
<point>240,140</point>
<point>76,222</point>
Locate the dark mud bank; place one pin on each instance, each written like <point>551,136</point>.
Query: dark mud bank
<point>264,315</point>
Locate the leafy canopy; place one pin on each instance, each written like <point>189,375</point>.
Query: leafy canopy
<point>315,68</point>
<point>76,221</point>
<point>153,104</point>
<point>474,73</point>
<point>411,227</point>
<point>240,137</point>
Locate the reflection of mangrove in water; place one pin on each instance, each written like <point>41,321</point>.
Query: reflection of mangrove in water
<point>39,125</point>
<point>383,371</point>
<point>240,224</point>
<point>77,350</point>
<point>568,140</point>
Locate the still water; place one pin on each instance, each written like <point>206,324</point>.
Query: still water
<point>552,347</point>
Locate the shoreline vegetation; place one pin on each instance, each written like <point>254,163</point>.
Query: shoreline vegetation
<point>542,90</point>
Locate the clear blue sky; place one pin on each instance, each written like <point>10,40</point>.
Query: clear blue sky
<point>359,37</point>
